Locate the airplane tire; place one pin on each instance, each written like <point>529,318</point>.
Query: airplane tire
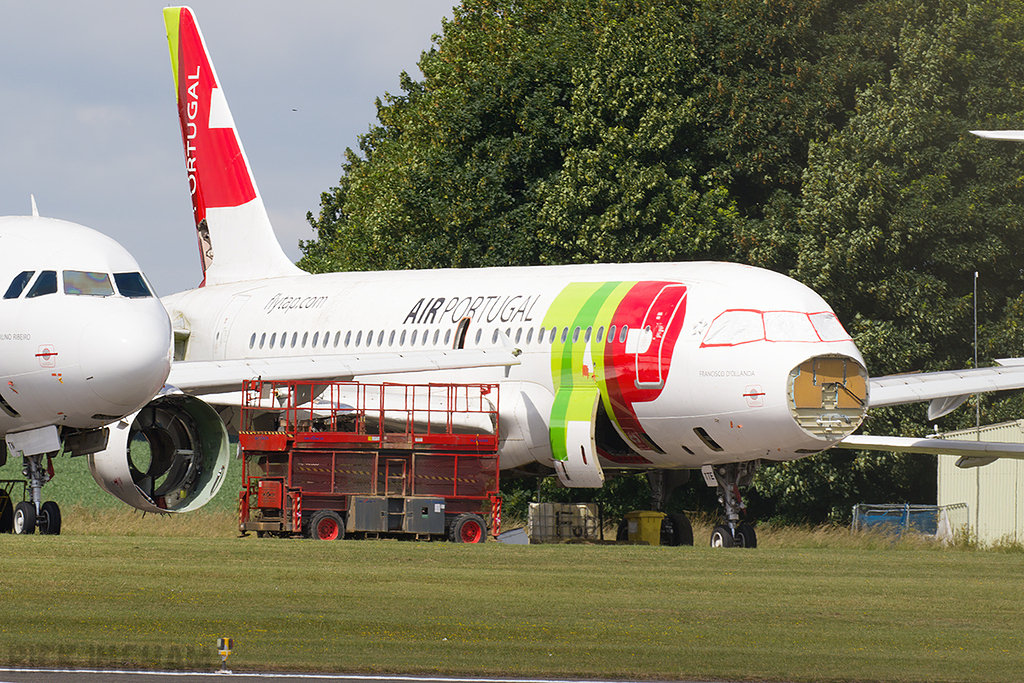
<point>6,513</point>
<point>721,537</point>
<point>48,519</point>
<point>25,518</point>
<point>326,525</point>
<point>468,528</point>
<point>746,537</point>
<point>676,530</point>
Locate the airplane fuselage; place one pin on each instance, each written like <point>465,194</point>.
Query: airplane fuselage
<point>693,362</point>
<point>83,341</point>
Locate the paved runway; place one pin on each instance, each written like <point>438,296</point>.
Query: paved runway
<point>27,675</point>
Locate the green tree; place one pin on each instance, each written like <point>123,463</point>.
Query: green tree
<point>821,139</point>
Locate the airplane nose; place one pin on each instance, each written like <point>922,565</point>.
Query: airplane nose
<point>126,355</point>
<point>827,396</point>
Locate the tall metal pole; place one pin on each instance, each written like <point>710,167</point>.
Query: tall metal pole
<point>977,397</point>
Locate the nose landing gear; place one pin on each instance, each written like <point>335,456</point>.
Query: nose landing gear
<point>728,478</point>
<point>34,514</point>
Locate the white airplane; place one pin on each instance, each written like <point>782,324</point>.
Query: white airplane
<point>84,343</point>
<point>656,366</point>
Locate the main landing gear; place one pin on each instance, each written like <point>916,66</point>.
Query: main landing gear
<point>728,478</point>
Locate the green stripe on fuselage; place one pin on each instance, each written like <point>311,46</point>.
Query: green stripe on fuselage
<point>582,305</point>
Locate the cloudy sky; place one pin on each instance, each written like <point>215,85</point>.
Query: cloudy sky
<point>88,122</point>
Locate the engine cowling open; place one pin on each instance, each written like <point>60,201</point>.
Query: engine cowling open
<point>171,456</point>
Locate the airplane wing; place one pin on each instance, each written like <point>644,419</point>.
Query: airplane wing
<point>944,390</point>
<point>1012,135</point>
<point>972,453</point>
<point>223,376</point>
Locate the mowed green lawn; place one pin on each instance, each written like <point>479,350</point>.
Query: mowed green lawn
<point>811,608</point>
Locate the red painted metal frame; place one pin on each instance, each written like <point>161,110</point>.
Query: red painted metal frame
<point>413,422</point>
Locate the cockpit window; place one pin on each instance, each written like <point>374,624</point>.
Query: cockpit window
<point>18,284</point>
<point>132,285</point>
<point>745,326</point>
<point>46,283</point>
<point>82,283</point>
<point>788,326</point>
<point>735,327</point>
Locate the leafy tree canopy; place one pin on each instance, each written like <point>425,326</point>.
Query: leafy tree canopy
<point>826,140</point>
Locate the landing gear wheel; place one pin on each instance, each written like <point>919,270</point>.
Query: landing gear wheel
<point>676,530</point>
<point>326,525</point>
<point>6,513</point>
<point>48,519</point>
<point>468,528</point>
<point>25,518</point>
<point>746,537</point>
<point>721,537</point>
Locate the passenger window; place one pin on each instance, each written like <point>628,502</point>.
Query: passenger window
<point>622,334</point>
<point>551,337</point>
<point>565,334</point>
<point>81,283</point>
<point>284,339</point>
<point>359,337</point>
<point>479,335</point>
<point>18,284</point>
<point>529,335</point>
<point>131,285</point>
<point>348,338</point>
<point>412,340</point>
<point>380,338</point>
<point>519,334</point>
<point>252,340</point>
<point>391,338</point>
<point>494,337</point>
<point>437,333</point>
<point>305,337</point>
<point>575,335</point>
<point>447,337</point>
<point>369,337</point>
<point>600,333</point>
<point>263,338</point>
<point>273,340</point>
<point>46,283</point>
<point>295,337</point>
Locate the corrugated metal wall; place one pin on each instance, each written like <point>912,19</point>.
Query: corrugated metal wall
<point>994,493</point>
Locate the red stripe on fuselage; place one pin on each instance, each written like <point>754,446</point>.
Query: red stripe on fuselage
<point>662,307</point>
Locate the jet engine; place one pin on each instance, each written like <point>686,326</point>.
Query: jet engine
<point>171,456</point>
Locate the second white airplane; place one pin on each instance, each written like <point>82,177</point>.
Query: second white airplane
<point>656,366</point>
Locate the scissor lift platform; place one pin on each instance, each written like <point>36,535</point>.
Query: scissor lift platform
<point>334,459</point>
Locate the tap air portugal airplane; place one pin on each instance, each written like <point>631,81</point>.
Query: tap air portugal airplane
<point>653,367</point>
<point>84,343</point>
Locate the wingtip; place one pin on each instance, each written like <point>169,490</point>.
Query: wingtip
<point>1012,135</point>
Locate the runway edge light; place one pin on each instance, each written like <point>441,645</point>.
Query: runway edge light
<point>224,646</point>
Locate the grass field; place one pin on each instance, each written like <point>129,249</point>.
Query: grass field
<point>118,590</point>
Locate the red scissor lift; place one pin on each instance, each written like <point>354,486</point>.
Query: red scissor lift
<point>326,459</point>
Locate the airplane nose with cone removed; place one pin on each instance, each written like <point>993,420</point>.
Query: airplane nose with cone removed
<point>126,355</point>
<point>827,395</point>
